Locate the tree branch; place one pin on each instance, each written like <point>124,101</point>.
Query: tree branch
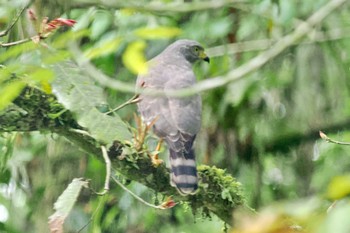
<point>219,193</point>
<point>14,21</point>
<point>15,42</point>
<point>330,140</point>
<point>284,143</point>
<point>237,74</point>
<point>256,45</point>
<point>156,7</point>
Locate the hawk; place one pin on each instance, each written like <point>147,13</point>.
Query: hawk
<point>176,120</point>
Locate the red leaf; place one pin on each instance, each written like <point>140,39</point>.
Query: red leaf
<point>168,203</point>
<point>63,22</point>
<point>56,23</point>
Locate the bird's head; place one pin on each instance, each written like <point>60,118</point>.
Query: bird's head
<point>191,50</point>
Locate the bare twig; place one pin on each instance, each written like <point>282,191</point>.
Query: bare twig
<point>237,74</point>
<point>82,132</point>
<point>108,170</point>
<point>327,139</point>
<point>92,216</point>
<point>260,60</point>
<point>161,207</point>
<point>132,100</point>
<point>14,21</point>
<point>175,7</point>
<point>15,42</point>
<point>256,45</point>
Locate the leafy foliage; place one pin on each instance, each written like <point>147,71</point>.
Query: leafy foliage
<point>263,129</point>
<point>79,94</point>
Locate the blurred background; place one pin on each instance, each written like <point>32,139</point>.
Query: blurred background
<point>263,129</point>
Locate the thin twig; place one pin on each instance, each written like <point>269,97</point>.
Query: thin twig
<point>108,171</point>
<point>257,45</point>
<point>14,21</point>
<point>92,216</point>
<point>235,75</point>
<point>83,132</point>
<point>15,42</point>
<point>327,139</point>
<point>132,100</point>
<point>137,197</point>
<point>175,7</point>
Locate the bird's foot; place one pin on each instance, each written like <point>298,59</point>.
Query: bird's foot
<point>154,155</point>
<point>156,161</point>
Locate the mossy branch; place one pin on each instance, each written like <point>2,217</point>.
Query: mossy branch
<point>219,193</point>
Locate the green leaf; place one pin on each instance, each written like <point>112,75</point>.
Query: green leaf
<point>104,48</point>
<point>79,94</point>
<point>41,74</point>
<point>75,91</point>
<point>134,58</point>
<point>103,19</point>
<point>65,203</point>
<point>17,50</point>
<point>6,72</point>
<point>337,219</point>
<point>158,32</point>
<point>85,19</point>
<point>58,56</point>
<point>63,39</point>
<point>9,92</point>
<point>7,143</point>
<point>104,127</point>
<point>44,77</point>
<point>339,187</point>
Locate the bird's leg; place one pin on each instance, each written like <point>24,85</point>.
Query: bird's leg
<point>135,99</point>
<point>154,155</point>
<point>142,132</point>
<point>138,136</point>
<point>159,145</point>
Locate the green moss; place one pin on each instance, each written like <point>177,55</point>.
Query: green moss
<point>219,193</point>
<point>215,179</point>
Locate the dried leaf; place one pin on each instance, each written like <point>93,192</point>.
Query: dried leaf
<point>168,203</point>
<point>64,204</point>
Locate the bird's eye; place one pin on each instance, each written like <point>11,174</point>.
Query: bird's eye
<point>196,50</point>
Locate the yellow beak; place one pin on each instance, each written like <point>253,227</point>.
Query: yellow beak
<point>203,55</point>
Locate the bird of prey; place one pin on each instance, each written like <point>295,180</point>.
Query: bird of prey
<point>176,120</point>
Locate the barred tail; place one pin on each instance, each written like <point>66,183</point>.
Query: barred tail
<point>183,174</point>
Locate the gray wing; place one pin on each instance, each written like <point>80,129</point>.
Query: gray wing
<point>186,111</point>
<point>152,108</point>
<point>178,119</point>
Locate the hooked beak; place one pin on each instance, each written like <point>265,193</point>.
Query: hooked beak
<point>204,56</point>
<point>207,59</point>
